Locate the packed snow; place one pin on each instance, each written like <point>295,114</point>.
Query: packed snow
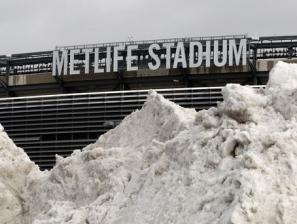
<point>164,164</point>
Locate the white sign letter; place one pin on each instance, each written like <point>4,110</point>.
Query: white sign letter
<point>108,59</point>
<point>168,47</point>
<point>192,53</point>
<point>72,62</point>
<point>131,57</point>
<point>180,55</point>
<point>208,54</point>
<point>116,57</point>
<point>218,55</point>
<point>63,63</point>
<point>96,62</point>
<point>87,59</point>
<point>238,53</point>
<point>154,56</point>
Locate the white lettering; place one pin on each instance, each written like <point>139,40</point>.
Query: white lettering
<point>87,59</point>
<point>61,64</point>
<point>96,62</point>
<point>207,54</point>
<point>116,57</point>
<point>108,59</point>
<point>73,61</point>
<point>154,56</point>
<point>130,58</point>
<point>238,53</point>
<point>168,47</point>
<point>218,55</point>
<point>192,53</point>
<point>180,55</point>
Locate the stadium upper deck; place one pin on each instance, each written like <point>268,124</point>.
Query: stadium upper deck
<point>31,73</point>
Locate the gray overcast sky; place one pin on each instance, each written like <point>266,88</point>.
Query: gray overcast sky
<point>37,25</point>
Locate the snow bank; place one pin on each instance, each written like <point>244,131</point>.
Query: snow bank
<point>15,165</point>
<point>236,163</point>
<point>281,88</point>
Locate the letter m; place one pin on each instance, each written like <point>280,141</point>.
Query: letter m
<point>238,53</point>
<point>60,64</point>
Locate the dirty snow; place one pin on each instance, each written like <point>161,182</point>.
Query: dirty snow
<point>236,163</point>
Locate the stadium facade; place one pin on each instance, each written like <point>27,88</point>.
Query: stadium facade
<point>53,102</point>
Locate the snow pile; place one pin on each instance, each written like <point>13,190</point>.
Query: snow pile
<point>236,163</point>
<point>281,89</point>
<point>15,165</point>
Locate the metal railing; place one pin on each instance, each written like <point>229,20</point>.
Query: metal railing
<point>141,42</point>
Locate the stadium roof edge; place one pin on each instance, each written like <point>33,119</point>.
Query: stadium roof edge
<point>278,37</point>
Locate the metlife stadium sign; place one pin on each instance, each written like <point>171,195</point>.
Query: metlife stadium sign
<point>192,54</point>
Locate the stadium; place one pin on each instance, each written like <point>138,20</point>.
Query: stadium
<point>53,102</point>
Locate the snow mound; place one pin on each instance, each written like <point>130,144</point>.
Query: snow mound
<point>236,163</point>
<point>15,166</point>
<point>159,119</point>
<point>282,89</point>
